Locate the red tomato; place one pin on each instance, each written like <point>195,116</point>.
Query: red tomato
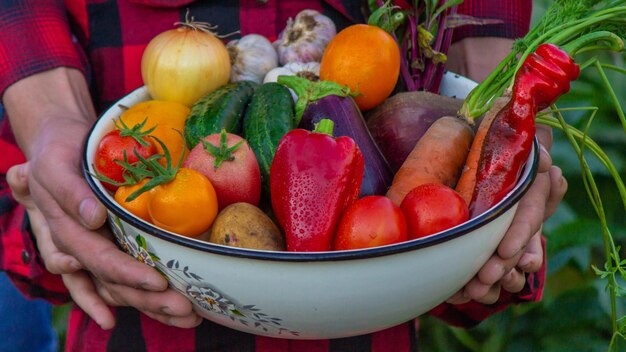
<point>237,177</point>
<point>370,222</point>
<point>112,147</point>
<point>431,208</point>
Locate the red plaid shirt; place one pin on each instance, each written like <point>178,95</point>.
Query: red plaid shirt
<point>105,40</point>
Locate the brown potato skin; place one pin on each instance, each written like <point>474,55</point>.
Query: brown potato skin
<point>244,225</point>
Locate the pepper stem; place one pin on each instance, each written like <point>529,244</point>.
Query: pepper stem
<point>309,91</point>
<point>325,126</point>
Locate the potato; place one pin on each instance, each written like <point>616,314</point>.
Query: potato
<point>246,226</point>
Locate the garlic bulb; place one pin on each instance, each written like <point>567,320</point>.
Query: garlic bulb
<point>309,70</point>
<point>251,58</point>
<point>305,38</point>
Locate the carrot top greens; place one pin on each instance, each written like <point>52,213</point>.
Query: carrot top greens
<point>574,25</point>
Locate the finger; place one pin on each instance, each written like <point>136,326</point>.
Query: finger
<point>84,294</point>
<point>528,218</point>
<point>168,302</point>
<point>558,188</point>
<point>55,261</point>
<point>179,316</point>
<point>532,258</point>
<point>103,259</point>
<point>495,269</point>
<point>514,281</point>
<point>545,160</point>
<point>484,294</point>
<point>187,322</point>
<point>57,169</point>
<point>458,298</point>
<point>17,178</point>
<point>544,135</point>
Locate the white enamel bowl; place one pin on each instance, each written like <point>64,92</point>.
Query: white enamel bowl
<point>310,295</point>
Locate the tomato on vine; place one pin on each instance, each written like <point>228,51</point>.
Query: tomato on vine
<point>176,199</point>
<point>123,144</point>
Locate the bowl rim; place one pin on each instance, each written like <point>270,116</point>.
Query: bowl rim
<point>514,196</point>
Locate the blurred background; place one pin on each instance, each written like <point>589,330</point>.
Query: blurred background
<point>574,314</point>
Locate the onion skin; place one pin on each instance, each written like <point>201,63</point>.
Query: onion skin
<point>400,121</point>
<point>184,64</point>
<point>349,121</point>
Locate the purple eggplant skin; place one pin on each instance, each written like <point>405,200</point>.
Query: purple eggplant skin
<point>349,121</point>
<point>400,121</point>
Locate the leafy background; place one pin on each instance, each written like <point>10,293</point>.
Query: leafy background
<point>574,314</point>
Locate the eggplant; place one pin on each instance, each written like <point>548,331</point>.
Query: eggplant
<point>329,100</point>
<point>400,121</point>
<point>349,121</point>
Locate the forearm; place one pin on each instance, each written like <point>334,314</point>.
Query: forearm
<point>56,96</point>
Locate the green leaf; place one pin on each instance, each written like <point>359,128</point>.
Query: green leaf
<point>237,312</point>
<point>581,231</point>
<point>141,242</point>
<point>580,256</point>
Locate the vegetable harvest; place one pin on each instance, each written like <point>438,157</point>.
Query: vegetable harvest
<point>349,164</point>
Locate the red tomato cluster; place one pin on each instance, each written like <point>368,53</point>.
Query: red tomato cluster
<point>376,221</point>
<point>187,197</point>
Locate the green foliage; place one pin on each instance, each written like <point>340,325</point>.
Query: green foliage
<point>576,312</point>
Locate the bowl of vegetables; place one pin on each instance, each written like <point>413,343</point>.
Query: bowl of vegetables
<point>308,295</point>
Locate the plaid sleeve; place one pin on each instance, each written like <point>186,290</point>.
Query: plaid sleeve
<point>514,14</point>
<point>35,37</point>
<point>470,314</point>
<point>18,253</point>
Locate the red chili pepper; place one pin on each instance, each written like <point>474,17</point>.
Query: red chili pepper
<point>313,179</point>
<point>543,77</point>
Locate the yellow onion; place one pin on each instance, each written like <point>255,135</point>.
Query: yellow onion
<point>185,63</point>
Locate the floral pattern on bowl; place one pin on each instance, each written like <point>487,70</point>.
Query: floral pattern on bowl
<point>207,299</point>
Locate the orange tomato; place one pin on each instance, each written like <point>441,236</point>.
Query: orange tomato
<point>187,205</point>
<point>168,117</point>
<point>137,206</point>
<point>364,58</point>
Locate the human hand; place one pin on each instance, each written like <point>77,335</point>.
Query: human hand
<point>50,134</point>
<point>520,250</point>
<point>88,292</point>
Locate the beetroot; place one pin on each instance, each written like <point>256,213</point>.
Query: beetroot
<point>398,123</point>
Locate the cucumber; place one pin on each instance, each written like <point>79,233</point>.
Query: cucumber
<point>223,108</point>
<point>270,115</point>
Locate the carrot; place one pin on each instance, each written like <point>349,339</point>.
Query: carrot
<point>436,158</point>
<point>467,181</point>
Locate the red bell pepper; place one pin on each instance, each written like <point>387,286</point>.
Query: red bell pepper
<point>314,177</point>
<point>543,77</point>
